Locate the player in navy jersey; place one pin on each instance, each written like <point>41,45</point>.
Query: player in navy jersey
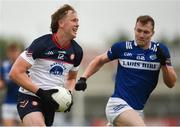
<point>139,64</point>
<point>51,60</point>
<point>9,112</point>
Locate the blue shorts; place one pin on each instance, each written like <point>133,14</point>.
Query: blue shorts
<point>28,103</point>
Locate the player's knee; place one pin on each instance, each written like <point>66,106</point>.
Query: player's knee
<point>33,123</point>
<point>34,119</point>
<point>128,123</point>
<point>119,122</point>
<point>128,118</point>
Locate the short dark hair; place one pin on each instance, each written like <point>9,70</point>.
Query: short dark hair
<point>59,14</point>
<point>144,19</point>
<point>13,46</point>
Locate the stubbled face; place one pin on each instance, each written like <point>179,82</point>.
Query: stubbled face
<point>69,24</point>
<point>143,34</point>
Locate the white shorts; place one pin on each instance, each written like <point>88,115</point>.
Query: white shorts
<point>9,111</point>
<point>115,107</point>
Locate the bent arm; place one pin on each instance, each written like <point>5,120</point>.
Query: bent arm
<point>71,80</point>
<point>169,76</point>
<point>95,65</point>
<point>18,74</point>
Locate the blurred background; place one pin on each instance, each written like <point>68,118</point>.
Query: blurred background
<point>102,23</point>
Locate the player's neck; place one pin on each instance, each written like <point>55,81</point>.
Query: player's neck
<point>62,40</point>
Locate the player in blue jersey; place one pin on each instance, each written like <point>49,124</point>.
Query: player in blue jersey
<point>139,63</point>
<point>9,112</point>
<point>51,60</point>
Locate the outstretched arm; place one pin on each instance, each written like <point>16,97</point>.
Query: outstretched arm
<point>95,65</point>
<point>92,68</point>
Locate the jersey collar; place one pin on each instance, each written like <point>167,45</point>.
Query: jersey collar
<point>58,45</point>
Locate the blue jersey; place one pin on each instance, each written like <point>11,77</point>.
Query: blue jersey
<point>137,72</point>
<point>12,88</point>
<point>50,62</point>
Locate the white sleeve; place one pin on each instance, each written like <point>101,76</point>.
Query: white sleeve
<point>28,57</point>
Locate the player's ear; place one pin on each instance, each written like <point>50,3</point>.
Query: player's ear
<point>61,23</point>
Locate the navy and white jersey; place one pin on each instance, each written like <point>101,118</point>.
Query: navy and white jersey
<point>137,71</point>
<point>51,63</point>
<point>12,87</point>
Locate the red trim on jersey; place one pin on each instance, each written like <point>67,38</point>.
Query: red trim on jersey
<point>57,44</point>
